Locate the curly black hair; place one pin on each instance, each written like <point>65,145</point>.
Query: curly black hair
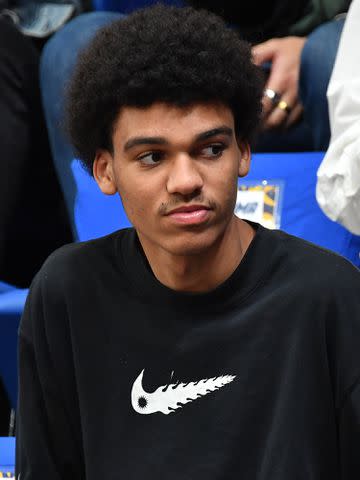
<point>177,55</point>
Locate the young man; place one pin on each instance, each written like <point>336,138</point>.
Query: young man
<point>195,345</point>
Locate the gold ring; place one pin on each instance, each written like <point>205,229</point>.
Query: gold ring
<point>284,106</point>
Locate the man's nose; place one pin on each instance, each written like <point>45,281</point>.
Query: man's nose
<point>184,177</point>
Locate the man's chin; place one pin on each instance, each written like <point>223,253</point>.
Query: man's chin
<point>194,243</point>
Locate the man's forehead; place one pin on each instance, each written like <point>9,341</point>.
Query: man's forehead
<point>169,121</point>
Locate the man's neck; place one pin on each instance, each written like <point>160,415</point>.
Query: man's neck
<point>204,271</point>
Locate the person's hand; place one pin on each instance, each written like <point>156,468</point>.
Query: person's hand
<point>284,54</point>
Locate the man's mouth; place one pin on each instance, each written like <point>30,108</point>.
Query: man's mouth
<point>188,209</point>
<point>189,214</point>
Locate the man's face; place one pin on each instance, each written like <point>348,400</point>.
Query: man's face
<point>176,171</point>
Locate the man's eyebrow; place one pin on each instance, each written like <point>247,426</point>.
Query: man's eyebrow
<point>135,141</point>
<point>213,132</point>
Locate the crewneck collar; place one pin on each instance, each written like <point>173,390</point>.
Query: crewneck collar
<point>238,286</point>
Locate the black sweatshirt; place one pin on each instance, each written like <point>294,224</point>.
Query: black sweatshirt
<point>122,378</point>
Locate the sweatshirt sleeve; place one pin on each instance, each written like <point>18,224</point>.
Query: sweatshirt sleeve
<point>349,434</point>
<point>47,440</point>
<point>343,346</point>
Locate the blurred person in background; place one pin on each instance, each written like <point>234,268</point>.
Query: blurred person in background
<point>33,219</point>
<point>296,43</point>
<point>338,186</point>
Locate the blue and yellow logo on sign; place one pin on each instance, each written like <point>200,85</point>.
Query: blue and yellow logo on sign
<point>260,202</point>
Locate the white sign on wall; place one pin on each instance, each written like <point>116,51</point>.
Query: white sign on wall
<point>260,202</point>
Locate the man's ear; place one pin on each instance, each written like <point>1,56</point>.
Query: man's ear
<point>104,173</point>
<point>245,157</point>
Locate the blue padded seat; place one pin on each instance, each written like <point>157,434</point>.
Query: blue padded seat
<point>7,456</point>
<point>11,306</point>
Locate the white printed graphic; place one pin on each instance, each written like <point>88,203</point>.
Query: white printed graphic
<point>168,398</point>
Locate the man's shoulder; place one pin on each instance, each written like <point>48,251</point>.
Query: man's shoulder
<point>80,261</point>
<point>316,265</point>
<point>72,277</point>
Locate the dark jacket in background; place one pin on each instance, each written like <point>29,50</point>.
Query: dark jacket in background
<point>262,20</point>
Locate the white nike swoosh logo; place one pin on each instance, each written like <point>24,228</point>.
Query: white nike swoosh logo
<point>168,398</point>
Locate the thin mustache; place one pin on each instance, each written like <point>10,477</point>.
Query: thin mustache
<point>167,207</point>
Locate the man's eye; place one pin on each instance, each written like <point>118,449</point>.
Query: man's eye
<point>213,150</point>
<point>151,158</point>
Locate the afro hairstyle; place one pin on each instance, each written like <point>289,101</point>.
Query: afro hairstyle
<point>176,55</point>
